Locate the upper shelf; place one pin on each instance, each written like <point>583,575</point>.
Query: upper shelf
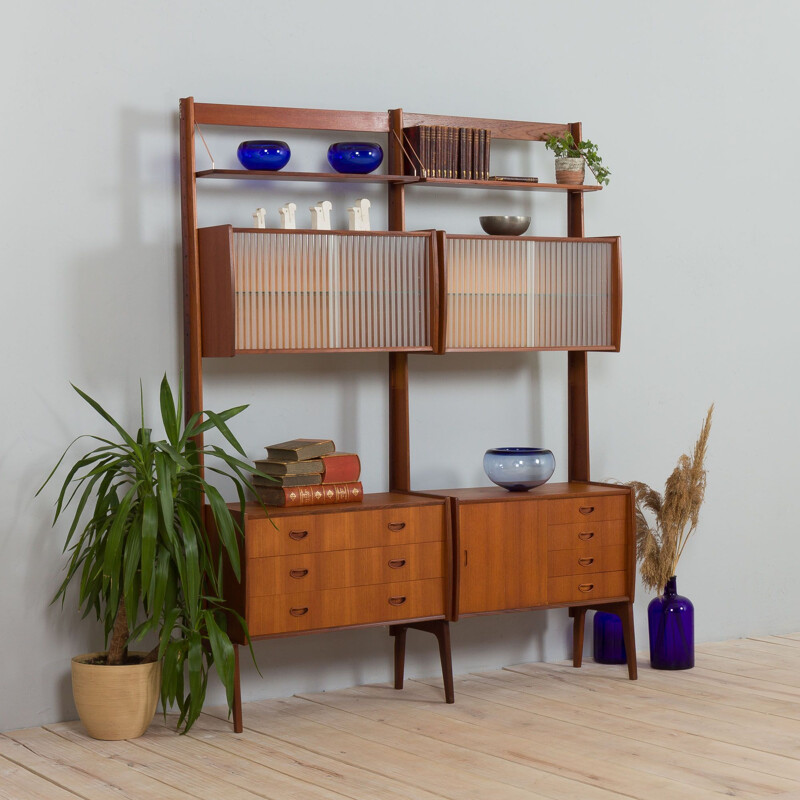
<point>265,175</point>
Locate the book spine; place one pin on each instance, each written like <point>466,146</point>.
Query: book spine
<point>462,152</point>
<point>473,162</point>
<point>481,152</point>
<point>487,160</point>
<point>291,496</point>
<point>341,469</point>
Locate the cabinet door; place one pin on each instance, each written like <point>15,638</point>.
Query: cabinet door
<point>502,554</point>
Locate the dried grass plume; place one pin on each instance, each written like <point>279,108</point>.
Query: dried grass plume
<point>675,514</point>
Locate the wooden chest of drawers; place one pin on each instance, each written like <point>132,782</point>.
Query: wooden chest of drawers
<point>316,568</point>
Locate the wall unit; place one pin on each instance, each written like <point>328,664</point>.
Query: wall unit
<point>403,558</point>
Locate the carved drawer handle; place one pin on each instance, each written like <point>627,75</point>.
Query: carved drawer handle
<point>397,601</point>
<point>586,535</point>
<point>396,563</point>
<point>396,526</point>
<point>298,573</point>
<point>298,535</point>
<point>586,587</point>
<point>586,510</point>
<point>298,612</point>
<point>585,562</point>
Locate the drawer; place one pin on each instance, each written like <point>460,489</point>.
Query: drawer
<point>586,588</point>
<point>585,535</point>
<point>585,561</point>
<point>586,509</point>
<point>333,608</point>
<point>313,533</point>
<point>336,569</point>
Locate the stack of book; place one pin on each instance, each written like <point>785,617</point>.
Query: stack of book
<point>441,151</point>
<point>308,472</point>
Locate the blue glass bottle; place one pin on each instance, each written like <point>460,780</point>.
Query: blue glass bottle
<point>670,620</point>
<point>608,641</point>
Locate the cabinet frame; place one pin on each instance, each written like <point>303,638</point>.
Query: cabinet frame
<point>392,123</point>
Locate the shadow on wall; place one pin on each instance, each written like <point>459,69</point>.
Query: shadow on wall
<point>124,307</point>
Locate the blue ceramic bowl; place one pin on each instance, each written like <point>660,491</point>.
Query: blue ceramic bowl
<point>268,155</point>
<point>355,158</point>
<point>519,468</point>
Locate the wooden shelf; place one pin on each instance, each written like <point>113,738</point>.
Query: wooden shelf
<point>315,177</point>
<point>506,185</point>
<point>336,177</point>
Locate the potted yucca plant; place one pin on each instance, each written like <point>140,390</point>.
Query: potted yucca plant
<point>146,567</point>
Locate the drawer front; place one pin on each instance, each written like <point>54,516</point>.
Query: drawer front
<point>333,608</point>
<point>586,509</point>
<point>337,569</point>
<point>586,588</point>
<point>315,533</point>
<point>585,535</point>
<point>585,561</point>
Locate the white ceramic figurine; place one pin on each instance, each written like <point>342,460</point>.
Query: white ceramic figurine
<point>286,212</point>
<point>321,216</point>
<point>359,215</point>
<point>260,218</point>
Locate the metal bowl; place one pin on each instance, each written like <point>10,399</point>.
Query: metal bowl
<point>505,226</point>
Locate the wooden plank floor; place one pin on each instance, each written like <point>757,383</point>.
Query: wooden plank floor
<point>728,728</point>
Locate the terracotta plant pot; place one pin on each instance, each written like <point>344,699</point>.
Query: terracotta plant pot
<point>115,702</point>
<point>570,170</point>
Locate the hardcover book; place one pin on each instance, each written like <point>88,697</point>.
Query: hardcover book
<point>311,467</point>
<point>340,468</point>
<point>287,480</point>
<point>311,495</point>
<point>299,449</point>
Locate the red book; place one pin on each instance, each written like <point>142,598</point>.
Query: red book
<point>311,495</point>
<point>340,468</point>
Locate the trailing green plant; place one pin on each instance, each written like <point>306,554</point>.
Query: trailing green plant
<point>566,147</point>
<point>675,514</point>
<point>142,553</point>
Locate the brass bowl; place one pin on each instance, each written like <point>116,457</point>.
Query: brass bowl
<point>505,226</point>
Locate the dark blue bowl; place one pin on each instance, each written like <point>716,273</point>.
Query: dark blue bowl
<point>355,158</point>
<point>269,155</point>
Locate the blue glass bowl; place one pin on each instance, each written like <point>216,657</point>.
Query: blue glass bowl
<point>268,155</point>
<point>355,158</point>
<point>519,468</point>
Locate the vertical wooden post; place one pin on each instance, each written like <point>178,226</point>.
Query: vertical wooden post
<point>578,379</point>
<point>192,350</point>
<point>399,445</point>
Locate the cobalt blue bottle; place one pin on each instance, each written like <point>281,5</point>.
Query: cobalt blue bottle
<point>670,620</point>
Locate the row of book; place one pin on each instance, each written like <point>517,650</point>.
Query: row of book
<point>306,472</point>
<point>442,151</point>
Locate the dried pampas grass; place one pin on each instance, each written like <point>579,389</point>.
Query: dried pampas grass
<point>675,514</point>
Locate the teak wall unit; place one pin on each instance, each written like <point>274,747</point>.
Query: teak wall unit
<point>403,558</point>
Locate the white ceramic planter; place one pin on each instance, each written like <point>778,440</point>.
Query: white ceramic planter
<point>570,170</point>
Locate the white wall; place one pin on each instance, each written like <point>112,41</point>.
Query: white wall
<point>694,106</point>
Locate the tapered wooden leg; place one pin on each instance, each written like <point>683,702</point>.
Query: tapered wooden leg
<point>629,637</point>
<point>399,633</point>
<point>237,692</point>
<point>579,619</point>
<point>441,630</point>
<point>443,637</point>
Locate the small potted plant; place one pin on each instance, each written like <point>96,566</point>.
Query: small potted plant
<point>573,157</point>
<point>145,565</point>
<point>659,546</point>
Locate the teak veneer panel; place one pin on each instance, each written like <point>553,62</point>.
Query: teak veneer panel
<point>502,556</point>
<point>590,510</point>
<point>585,536</point>
<point>585,561</point>
<point>311,533</point>
<point>337,608</point>
<point>587,588</point>
<point>339,568</point>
